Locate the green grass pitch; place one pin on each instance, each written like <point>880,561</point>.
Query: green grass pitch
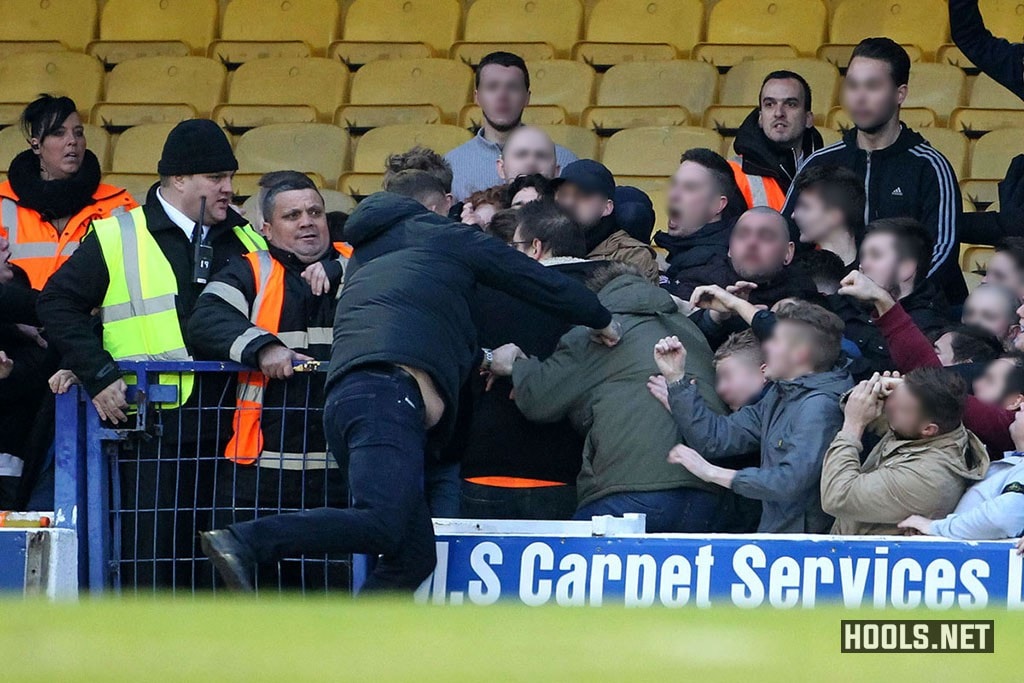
<point>335,639</point>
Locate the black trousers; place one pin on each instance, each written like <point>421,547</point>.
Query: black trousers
<point>375,416</point>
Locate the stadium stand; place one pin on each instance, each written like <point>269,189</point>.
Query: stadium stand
<point>288,83</point>
<point>921,23</point>
<point>990,107</point>
<point>444,83</point>
<point>374,147</point>
<point>137,150</point>
<point>294,28</point>
<point>652,93</point>
<point>471,115</point>
<point>148,28</point>
<point>33,20</point>
<point>394,29</point>
<point>915,117</point>
<point>654,151</point>
<point>621,31</point>
<point>324,149</point>
<point>742,84</point>
<point>490,23</point>
<point>939,87</point>
<point>582,142</point>
<point>23,76</point>
<point>566,83</point>
<point>138,90</point>
<point>743,29</point>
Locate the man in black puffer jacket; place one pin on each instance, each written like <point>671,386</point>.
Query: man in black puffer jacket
<point>404,342</point>
<point>903,175</point>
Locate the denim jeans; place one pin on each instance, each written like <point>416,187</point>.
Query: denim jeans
<point>682,510</point>
<point>496,502</point>
<point>375,416</point>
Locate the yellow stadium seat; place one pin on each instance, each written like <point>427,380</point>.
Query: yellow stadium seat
<point>742,84</point>
<point>640,30</point>
<point>373,148</point>
<point>724,118</point>
<point>915,22</point>
<point>939,87</point>
<point>974,257</point>
<point>535,115</point>
<point>308,147</point>
<point>355,54</point>
<point>198,81</point>
<point>655,151</point>
<point>442,82</point>
<point>10,114</point>
<point>580,141</point>
<point>13,47</point>
<point>840,54</point>
<point>118,116</point>
<point>276,28</point>
<point>992,107</point>
<point>472,52</point>
<point>830,135</point>
<point>981,194</point>
<point>72,22</point>
<point>245,185</point>
<point>724,55</point>
<point>556,22</point>
<point>316,81</point>
<point>800,23</point>
<point>564,82</point>
<point>987,94</point>
<point>361,184</point>
<point>138,149</point>
<point>137,184</point>
<point>607,120</point>
<point>659,200</point>
<point>142,28</point>
<point>239,118</point>
<point>953,146</point>
<point>993,151</point>
<point>434,23</point>
<point>363,117</point>
<point>679,83</point>
<point>915,117</point>
<point>951,54</point>
<point>12,143</point>
<point>645,183</point>
<point>24,76</point>
<point>98,141</point>
<point>1003,18</point>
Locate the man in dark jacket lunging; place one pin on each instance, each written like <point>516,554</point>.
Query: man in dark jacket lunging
<point>602,392</point>
<point>404,343</point>
<point>903,175</point>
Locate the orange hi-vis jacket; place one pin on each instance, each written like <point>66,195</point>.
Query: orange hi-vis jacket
<point>36,245</point>
<point>758,190</point>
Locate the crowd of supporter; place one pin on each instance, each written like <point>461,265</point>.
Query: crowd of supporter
<point>795,351</point>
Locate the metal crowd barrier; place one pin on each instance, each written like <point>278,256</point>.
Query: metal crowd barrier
<point>138,494</point>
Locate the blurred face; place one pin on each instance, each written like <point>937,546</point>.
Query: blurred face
<point>528,150</point>
<point>786,352</point>
<point>986,308</point>
<point>584,208</point>
<point>905,417</point>
<point>189,191</point>
<point>1001,270</point>
<point>6,273</point>
<point>944,350</point>
<point>879,261</point>
<point>299,224</point>
<point>502,95</point>
<point>738,380</point>
<point>783,114</point>
<point>693,199</point>
<point>990,388</point>
<point>816,220</point>
<point>525,196</point>
<point>870,96</point>
<point>61,152</point>
<point>759,246</point>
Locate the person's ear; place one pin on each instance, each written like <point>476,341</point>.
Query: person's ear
<point>609,207</point>
<point>1014,402</point>
<point>267,231</point>
<point>901,94</point>
<point>929,430</point>
<point>790,252</point>
<point>809,119</point>
<point>723,202</point>
<point>34,144</point>
<point>538,248</point>
<point>501,168</point>
<point>476,97</point>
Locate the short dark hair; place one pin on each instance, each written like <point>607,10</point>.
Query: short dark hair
<point>46,115</point>
<point>743,343</point>
<point>889,51</point>
<point>720,170</point>
<point>785,75</point>
<point>912,242</point>
<point>823,267</point>
<point>941,393</point>
<point>503,59</point>
<point>824,328</point>
<point>276,182</point>
<point>972,344</point>
<point>534,180</point>
<point>416,184</point>
<point>421,159</point>
<point>546,221</point>
<point>615,269</point>
<point>1014,247</point>
<point>839,188</point>
<point>503,225</point>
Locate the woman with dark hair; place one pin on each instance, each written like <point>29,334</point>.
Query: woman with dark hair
<point>53,190</point>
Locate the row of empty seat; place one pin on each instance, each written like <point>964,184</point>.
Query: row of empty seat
<point>643,156</point>
<point>610,32</point>
<point>433,90</point>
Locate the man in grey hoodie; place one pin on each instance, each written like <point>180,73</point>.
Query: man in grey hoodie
<point>792,424</point>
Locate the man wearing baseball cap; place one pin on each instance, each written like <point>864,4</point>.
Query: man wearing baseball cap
<point>143,271</point>
<point>586,191</point>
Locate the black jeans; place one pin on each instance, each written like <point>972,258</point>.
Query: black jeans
<point>375,416</point>
<point>496,502</point>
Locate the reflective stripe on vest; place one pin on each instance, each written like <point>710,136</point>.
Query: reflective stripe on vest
<point>757,190</point>
<point>758,193</point>
<point>140,319</point>
<point>250,239</point>
<point>246,442</point>
<point>344,248</point>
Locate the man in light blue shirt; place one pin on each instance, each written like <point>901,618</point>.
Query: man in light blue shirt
<point>502,92</point>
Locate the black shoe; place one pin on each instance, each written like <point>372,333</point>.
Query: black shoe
<point>231,558</point>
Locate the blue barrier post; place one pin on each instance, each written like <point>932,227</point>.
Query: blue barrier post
<point>70,509</point>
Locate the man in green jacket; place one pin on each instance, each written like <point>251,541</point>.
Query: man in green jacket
<point>603,393</point>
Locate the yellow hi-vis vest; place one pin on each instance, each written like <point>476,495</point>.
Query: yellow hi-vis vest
<point>140,318</point>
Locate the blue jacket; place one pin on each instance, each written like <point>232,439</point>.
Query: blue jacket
<point>792,426</point>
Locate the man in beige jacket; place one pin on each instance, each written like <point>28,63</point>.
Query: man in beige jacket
<point>924,462</point>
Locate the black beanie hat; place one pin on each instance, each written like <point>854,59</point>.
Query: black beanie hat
<point>196,146</point>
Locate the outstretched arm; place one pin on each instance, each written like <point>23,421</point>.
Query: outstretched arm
<point>1000,59</point>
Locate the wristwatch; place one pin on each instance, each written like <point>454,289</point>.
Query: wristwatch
<point>488,359</point>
